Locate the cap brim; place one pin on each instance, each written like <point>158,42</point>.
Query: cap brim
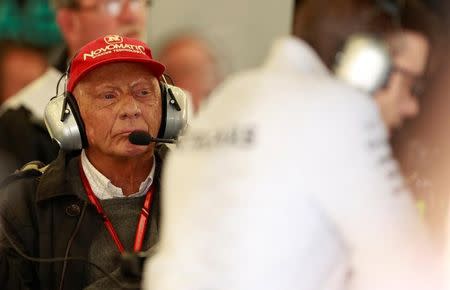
<point>156,68</point>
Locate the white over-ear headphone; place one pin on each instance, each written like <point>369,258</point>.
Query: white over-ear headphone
<point>364,62</point>
<point>65,125</point>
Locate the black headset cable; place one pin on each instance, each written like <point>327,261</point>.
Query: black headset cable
<point>67,259</point>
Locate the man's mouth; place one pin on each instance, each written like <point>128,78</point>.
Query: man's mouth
<point>129,131</point>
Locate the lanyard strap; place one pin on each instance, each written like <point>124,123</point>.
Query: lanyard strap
<point>143,216</point>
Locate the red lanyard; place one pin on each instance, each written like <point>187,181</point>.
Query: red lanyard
<point>143,217</point>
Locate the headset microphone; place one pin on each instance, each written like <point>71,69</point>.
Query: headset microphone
<point>143,138</point>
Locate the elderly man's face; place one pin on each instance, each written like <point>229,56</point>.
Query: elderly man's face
<point>398,100</point>
<point>116,99</point>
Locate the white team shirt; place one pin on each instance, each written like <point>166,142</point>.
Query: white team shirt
<point>286,181</point>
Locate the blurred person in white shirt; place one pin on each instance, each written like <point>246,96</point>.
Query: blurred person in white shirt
<point>286,181</point>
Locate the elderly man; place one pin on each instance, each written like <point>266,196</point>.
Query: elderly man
<point>80,21</point>
<point>101,201</point>
<point>297,189</point>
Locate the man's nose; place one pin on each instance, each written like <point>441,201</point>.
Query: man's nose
<point>128,13</point>
<point>129,108</point>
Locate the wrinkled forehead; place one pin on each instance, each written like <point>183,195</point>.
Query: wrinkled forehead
<point>120,73</point>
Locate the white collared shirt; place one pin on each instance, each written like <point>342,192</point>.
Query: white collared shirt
<point>102,186</point>
<point>285,180</point>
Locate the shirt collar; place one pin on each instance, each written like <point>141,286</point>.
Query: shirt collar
<point>294,54</point>
<point>102,186</point>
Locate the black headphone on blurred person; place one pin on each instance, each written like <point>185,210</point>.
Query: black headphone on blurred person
<point>65,125</point>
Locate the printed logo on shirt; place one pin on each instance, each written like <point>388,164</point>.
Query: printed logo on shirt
<point>242,137</point>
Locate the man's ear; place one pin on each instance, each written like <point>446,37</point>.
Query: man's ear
<point>68,24</point>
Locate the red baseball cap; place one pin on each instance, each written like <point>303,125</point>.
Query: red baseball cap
<point>108,49</point>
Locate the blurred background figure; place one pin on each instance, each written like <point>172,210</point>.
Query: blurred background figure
<point>6,164</point>
<point>193,65</point>
<point>398,100</point>
<point>294,184</point>
<point>28,35</point>
<point>421,144</point>
<point>14,57</point>
<point>82,21</point>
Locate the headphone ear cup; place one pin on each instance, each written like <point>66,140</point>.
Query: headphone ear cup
<point>164,102</point>
<point>64,123</point>
<point>176,112</point>
<point>364,62</point>
<point>75,110</point>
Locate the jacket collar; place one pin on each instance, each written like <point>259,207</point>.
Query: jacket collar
<point>62,177</point>
<point>54,182</point>
<point>295,55</point>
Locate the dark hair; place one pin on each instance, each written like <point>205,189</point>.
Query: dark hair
<point>297,3</point>
<point>416,16</point>
<point>325,25</point>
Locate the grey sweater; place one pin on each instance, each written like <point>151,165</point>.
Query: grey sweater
<point>124,214</point>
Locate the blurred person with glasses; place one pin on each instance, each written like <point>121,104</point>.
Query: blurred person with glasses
<point>80,21</point>
<point>114,7</point>
<point>83,20</point>
<point>398,100</point>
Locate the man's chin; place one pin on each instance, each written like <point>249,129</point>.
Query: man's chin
<point>132,151</point>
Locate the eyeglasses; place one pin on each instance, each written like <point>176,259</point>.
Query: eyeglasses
<point>417,82</point>
<point>115,7</point>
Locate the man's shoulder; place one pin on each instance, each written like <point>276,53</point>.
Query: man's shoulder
<point>25,183</point>
<point>25,178</point>
<point>15,114</point>
<point>20,120</point>
<point>18,197</point>
<point>297,92</point>
<point>24,137</point>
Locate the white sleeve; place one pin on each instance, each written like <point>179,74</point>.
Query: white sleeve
<point>361,190</point>
<point>213,246</point>
<point>235,217</point>
<point>323,210</point>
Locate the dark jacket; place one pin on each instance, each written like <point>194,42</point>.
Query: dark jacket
<point>41,215</point>
<point>25,139</point>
